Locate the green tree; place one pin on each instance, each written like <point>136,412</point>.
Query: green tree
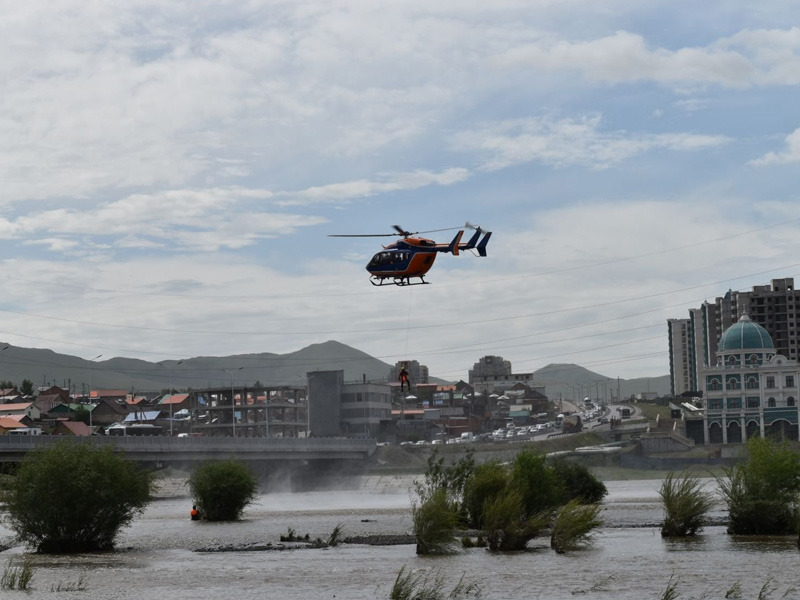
<point>762,493</point>
<point>222,489</point>
<point>81,413</point>
<point>577,482</point>
<point>75,497</point>
<point>452,478</point>
<point>536,482</point>
<point>26,389</point>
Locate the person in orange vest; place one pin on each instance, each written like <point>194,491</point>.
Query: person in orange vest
<point>194,513</point>
<point>403,377</point>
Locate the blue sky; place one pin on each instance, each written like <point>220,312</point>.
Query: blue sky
<point>171,172</point>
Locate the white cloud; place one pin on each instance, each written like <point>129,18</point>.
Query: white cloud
<point>363,188</point>
<point>567,142</point>
<point>199,219</point>
<point>749,58</point>
<point>791,153</point>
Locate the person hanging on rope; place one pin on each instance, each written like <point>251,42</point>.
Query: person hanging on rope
<point>403,377</point>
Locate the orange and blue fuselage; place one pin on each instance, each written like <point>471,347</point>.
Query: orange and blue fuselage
<point>414,257</point>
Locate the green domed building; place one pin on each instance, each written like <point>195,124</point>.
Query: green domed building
<point>752,390</point>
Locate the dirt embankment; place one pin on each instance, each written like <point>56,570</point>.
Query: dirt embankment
<point>414,459</point>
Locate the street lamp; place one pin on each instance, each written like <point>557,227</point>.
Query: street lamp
<point>91,362</point>
<point>170,395</point>
<point>233,400</point>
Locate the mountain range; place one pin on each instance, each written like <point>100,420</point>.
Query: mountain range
<point>45,368</point>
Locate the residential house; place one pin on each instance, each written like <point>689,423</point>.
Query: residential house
<point>116,395</point>
<point>46,402</point>
<point>22,408</point>
<point>72,428</point>
<point>142,416</point>
<point>8,424</point>
<point>106,412</point>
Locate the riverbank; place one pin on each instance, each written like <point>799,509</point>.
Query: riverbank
<point>393,469</point>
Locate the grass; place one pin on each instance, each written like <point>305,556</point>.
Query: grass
<point>686,505</point>
<point>430,586</point>
<point>573,526</point>
<point>735,592</point>
<point>651,411</point>
<point>17,578</point>
<point>70,586</point>
<point>336,536</point>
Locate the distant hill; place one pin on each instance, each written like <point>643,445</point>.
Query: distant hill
<point>575,382</point>
<point>45,367</point>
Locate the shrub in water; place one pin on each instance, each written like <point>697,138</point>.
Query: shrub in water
<point>762,493</point>
<point>573,526</point>
<point>222,489</point>
<point>435,524</point>
<point>535,481</point>
<point>488,482</point>
<point>686,505</point>
<point>506,523</point>
<point>75,497</point>
<point>578,482</point>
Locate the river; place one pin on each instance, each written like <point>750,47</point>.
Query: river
<point>157,557</point>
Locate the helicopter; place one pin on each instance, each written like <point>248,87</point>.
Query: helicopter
<point>411,257</point>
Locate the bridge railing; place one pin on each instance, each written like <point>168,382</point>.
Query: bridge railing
<point>203,444</point>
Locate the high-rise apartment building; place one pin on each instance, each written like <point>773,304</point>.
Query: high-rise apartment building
<point>681,367</point>
<point>776,307</point>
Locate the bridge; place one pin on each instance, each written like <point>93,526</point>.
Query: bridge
<point>174,451</point>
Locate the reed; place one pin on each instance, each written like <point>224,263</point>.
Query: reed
<point>573,526</point>
<point>686,505</point>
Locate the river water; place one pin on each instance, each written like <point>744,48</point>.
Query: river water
<point>157,557</point>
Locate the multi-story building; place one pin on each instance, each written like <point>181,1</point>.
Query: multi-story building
<point>752,390</point>
<point>492,373</point>
<point>680,356</point>
<point>347,409</point>
<point>417,373</point>
<point>776,307</point>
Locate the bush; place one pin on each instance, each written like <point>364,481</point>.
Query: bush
<point>506,523</point>
<point>685,505</point>
<point>75,497</point>
<point>536,482</point>
<point>451,478</point>
<point>222,489</point>
<point>573,526</point>
<point>435,524</point>
<point>762,493</point>
<point>577,482</point>
<point>488,482</point>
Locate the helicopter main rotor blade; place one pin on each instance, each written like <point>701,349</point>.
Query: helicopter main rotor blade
<point>402,231</point>
<point>362,235</point>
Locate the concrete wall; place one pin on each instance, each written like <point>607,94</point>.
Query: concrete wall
<point>325,403</point>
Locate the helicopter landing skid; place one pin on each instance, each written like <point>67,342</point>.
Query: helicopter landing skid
<point>399,281</point>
